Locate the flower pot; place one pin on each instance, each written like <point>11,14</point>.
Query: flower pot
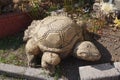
<point>13,23</point>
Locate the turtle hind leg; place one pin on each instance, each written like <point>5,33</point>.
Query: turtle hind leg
<point>87,51</point>
<point>32,52</point>
<point>49,61</point>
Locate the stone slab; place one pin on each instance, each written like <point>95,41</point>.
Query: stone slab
<point>99,72</point>
<point>117,66</point>
<point>24,72</point>
<point>117,4</point>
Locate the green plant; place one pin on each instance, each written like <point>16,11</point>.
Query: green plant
<point>35,11</point>
<point>117,22</point>
<point>53,7</point>
<point>68,5</point>
<point>3,60</point>
<point>96,25</point>
<point>33,8</point>
<point>81,3</point>
<point>12,50</point>
<point>57,73</point>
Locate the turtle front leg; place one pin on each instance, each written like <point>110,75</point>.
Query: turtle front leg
<point>87,51</point>
<point>31,60</point>
<point>32,52</point>
<point>49,61</point>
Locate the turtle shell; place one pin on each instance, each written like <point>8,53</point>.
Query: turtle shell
<point>57,34</point>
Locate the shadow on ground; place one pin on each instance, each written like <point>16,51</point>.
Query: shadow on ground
<point>71,65</point>
<point>12,42</point>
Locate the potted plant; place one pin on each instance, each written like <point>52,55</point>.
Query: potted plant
<point>16,15</point>
<point>12,23</point>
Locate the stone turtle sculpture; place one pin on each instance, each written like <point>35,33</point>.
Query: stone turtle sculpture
<point>55,38</point>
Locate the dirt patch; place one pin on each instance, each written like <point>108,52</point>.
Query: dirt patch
<point>110,40</point>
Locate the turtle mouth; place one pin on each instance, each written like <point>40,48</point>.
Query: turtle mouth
<point>89,56</point>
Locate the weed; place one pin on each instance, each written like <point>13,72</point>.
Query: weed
<point>97,24</point>
<point>53,8</point>
<point>68,5</point>
<point>117,22</point>
<point>12,50</point>
<point>3,60</point>
<point>57,73</point>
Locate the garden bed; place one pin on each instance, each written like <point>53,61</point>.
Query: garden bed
<point>12,23</point>
<point>12,51</point>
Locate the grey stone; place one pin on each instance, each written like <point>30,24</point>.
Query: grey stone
<point>117,66</point>
<point>24,72</point>
<point>99,72</point>
<point>37,74</point>
<point>117,4</point>
<point>12,69</point>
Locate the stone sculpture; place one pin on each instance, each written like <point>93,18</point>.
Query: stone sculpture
<point>55,38</point>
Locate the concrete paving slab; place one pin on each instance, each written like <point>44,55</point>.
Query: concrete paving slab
<point>24,72</point>
<point>99,72</point>
<point>117,66</point>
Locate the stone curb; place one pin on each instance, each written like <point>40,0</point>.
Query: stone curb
<point>23,72</point>
<point>105,71</point>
